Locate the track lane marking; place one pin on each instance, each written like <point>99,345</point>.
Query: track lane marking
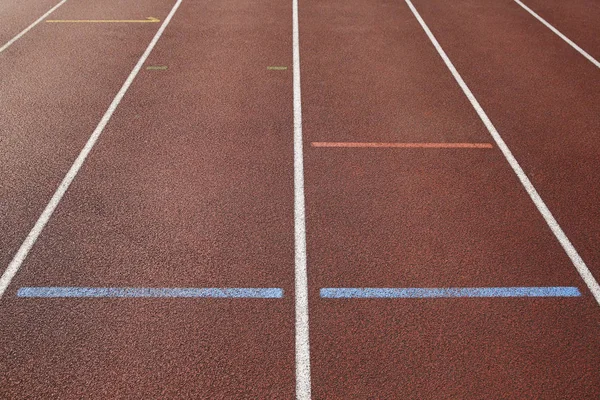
<point>424,293</point>
<point>559,34</point>
<point>24,31</point>
<point>43,219</point>
<point>303,384</point>
<point>79,292</point>
<point>560,235</point>
<point>151,20</point>
<point>405,145</point>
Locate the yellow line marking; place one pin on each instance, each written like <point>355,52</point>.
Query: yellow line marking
<point>157,67</point>
<point>277,68</point>
<point>97,21</point>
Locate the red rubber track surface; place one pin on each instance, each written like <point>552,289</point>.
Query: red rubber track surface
<point>542,96</point>
<point>190,185</point>
<point>425,218</point>
<point>57,82</point>
<point>577,19</point>
<point>18,15</point>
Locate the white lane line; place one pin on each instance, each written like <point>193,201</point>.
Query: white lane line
<point>35,232</point>
<point>24,31</point>
<point>303,387</point>
<point>563,37</point>
<point>577,261</point>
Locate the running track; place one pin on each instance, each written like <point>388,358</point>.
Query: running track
<point>302,199</point>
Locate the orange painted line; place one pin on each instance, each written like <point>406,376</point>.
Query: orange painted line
<point>406,145</point>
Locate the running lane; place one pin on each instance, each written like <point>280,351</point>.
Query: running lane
<point>18,15</point>
<point>577,19</point>
<point>433,217</point>
<point>57,81</point>
<point>542,96</point>
<point>189,186</point>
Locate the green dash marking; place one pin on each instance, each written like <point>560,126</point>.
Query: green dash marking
<point>277,68</point>
<point>157,67</point>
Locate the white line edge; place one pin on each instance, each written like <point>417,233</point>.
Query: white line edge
<point>564,241</point>
<point>303,384</point>
<point>557,32</point>
<point>35,232</point>
<point>24,31</point>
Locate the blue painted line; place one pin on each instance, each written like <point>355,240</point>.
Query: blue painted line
<point>419,293</point>
<point>254,293</point>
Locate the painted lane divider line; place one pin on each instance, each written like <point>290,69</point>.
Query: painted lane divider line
<point>44,217</point>
<point>151,20</point>
<point>425,293</point>
<point>302,342</point>
<point>405,145</point>
<point>157,67</point>
<point>560,235</point>
<point>559,34</point>
<point>277,68</point>
<point>24,31</point>
<point>62,292</point>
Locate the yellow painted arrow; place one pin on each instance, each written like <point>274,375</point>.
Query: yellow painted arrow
<point>97,21</point>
